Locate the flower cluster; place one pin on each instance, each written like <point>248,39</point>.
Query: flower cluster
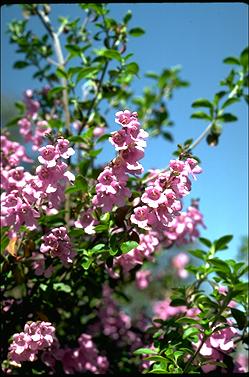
<point>37,336</point>
<point>83,359</point>
<point>115,323</point>
<point>57,243</point>
<point>144,251</point>
<point>161,200</point>
<point>39,265</point>
<point>41,128</point>
<point>26,195</point>
<point>184,228</point>
<point>163,310</point>
<point>12,153</point>
<point>218,344</point>
<point>129,142</point>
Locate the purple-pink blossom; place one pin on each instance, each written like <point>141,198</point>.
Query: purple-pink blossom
<point>57,244</point>
<point>163,198</point>
<point>37,336</point>
<point>143,278</point>
<point>179,262</point>
<point>111,189</point>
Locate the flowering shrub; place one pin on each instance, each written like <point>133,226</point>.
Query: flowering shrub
<point>81,242</point>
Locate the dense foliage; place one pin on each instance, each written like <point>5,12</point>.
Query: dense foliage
<point>82,243</point>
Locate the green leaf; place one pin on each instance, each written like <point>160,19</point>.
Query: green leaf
<point>227,117</point>
<point>100,228</point>
<point>87,263</point>
<point>205,241</point>
<point>136,32</point>
<point>145,351</point>
<point>56,90</point>
<point>218,97</point>
<point>80,184</point>
<point>4,243</point>
<point>221,243</point>
<point>97,8</point>
<point>77,139</point>
<point>229,102</point>
<point>239,317</point>
<point>62,287</point>
<point>20,106</point>
<point>103,138</point>
<point>73,49</point>
<point>132,68</point>
<point>113,251</point>
<point>61,73</point>
<point>88,72</point>
<point>155,358</point>
<point>217,363</point>
<point>167,135</point>
<point>95,152</point>
<point>20,64</point>
<point>128,246</point>
<point>187,320</point>
<point>76,232</point>
<point>201,115</point>
<point>13,122</point>
<point>231,60</point>
<point>127,17</point>
<point>158,371</point>
<point>220,265</point>
<point>244,58</point>
<point>110,54</point>
<point>178,354</point>
<point>202,102</point>
<point>189,332</point>
<point>105,217</point>
<point>97,247</point>
<point>198,253</point>
<point>178,302</point>
<point>56,123</point>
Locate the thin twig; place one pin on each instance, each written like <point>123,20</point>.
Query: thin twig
<point>61,63</point>
<point>201,137</point>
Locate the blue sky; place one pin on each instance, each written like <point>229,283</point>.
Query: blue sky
<point>198,37</point>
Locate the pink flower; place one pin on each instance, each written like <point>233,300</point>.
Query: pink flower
<point>48,156</point>
<point>132,154</point>
<point>37,336</point>
<point>58,244</point>
<point>141,217</point>
<point>125,117</point>
<point>25,128</point>
<point>194,168</point>
<point>241,364</point>
<point>98,131</point>
<point>63,149</point>
<point>144,251</point>
<point>143,278</point>
<point>38,264</point>
<point>120,139</point>
<point>153,196</point>
<point>179,262</point>
<point>217,344</point>
<point>86,221</point>
<point>163,310</point>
